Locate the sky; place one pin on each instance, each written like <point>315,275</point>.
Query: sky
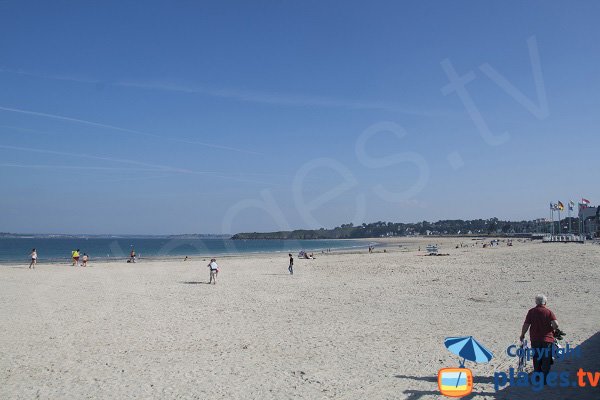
<point>222,117</point>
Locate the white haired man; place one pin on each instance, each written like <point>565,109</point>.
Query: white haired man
<point>214,271</point>
<point>543,323</point>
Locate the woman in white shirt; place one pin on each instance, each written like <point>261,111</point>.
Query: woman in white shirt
<point>33,258</point>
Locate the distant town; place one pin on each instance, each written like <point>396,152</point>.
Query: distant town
<point>492,226</point>
<point>587,223</point>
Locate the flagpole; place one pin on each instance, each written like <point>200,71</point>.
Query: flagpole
<point>581,229</point>
<point>569,217</point>
<point>579,219</point>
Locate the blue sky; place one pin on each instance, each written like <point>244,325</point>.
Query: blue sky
<point>250,116</point>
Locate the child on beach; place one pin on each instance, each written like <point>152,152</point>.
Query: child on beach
<point>214,271</point>
<point>291,267</point>
<point>33,258</point>
<point>85,260</point>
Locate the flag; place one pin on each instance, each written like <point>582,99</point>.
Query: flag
<point>585,201</point>
<point>571,205</point>
<point>560,206</point>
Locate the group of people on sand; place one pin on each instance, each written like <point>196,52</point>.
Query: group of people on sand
<point>213,268</point>
<point>305,255</point>
<point>75,255</point>
<point>540,322</point>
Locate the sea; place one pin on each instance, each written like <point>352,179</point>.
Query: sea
<point>106,249</point>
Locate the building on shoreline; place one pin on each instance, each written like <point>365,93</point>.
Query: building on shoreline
<point>589,220</point>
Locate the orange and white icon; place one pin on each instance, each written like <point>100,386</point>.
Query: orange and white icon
<point>455,382</point>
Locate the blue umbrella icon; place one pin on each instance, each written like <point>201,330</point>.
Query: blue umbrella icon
<point>469,349</point>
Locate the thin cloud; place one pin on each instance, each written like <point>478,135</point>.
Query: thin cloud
<point>151,167</point>
<point>121,129</point>
<point>132,179</point>
<point>53,77</point>
<point>155,167</point>
<point>27,130</point>
<point>278,99</point>
<point>75,167</point>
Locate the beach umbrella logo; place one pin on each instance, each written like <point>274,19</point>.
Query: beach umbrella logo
<point>455,382</point>
<point>458,382</point>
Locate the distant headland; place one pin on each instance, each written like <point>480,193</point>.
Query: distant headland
<point>492,226</point>
<point>478,227</point>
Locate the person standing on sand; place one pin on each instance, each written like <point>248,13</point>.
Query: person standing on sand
<point>33,258</point>
<point>543,323</point>
<point>291,266</point>
<point>85,260</point>
<point>75,257</point>
<point>214,271</point>
<point>132,255</point>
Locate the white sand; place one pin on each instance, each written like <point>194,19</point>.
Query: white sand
<point>345,326</point>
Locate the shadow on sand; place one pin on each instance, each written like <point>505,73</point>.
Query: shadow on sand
<point>589,362</point>
<point>418,394</point>
<point>195,283</point>
<point>476,379</point>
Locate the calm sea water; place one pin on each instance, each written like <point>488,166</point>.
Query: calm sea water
<point>12,250</point>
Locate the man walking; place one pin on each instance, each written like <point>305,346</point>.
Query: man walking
<point>291,267</point>
<point>214,271</point>
<point>543,323</point>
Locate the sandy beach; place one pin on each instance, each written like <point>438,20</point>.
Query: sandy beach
<point>347,325</point>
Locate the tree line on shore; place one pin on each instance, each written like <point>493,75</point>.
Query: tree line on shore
<point>492,226</point>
